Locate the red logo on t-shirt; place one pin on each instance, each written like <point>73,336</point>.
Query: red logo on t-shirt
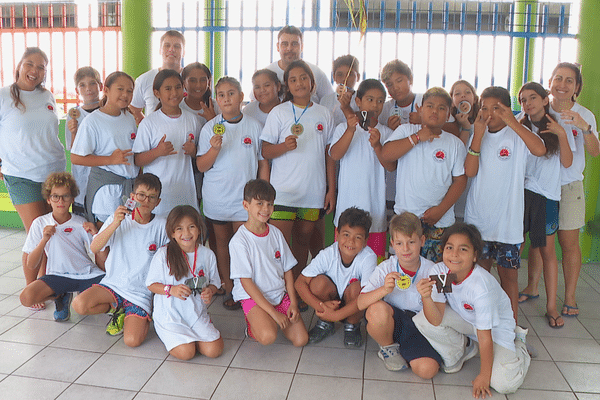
<point>50,107</point>
<point>319,127</point>
<point>504,153</point>
<point>575,132</point>
<point>152,247</point>
<point>277,255</point>
<point>201,272</point>
<point>133,135</point>
<point>68,230</point>
<point>247,141</point>
<point>191,136</point>
<point>439,155</point>
<point>468,307</point>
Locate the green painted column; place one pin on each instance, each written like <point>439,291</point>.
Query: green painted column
<point>136,30</point>
<point>523,20</point>
<point>213,41</point>
<point>587,55</point>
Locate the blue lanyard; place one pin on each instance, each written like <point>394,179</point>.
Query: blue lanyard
<point>294,111</point>
<point>412,278</point>
<point>232,119</point>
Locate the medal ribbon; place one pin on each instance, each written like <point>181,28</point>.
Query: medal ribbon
<point>412,278</point>
<point>296,120</point>
<point>192,270</point>
<point>229,120</point>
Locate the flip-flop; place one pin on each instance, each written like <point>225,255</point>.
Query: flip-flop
<point>527,297</point>
<point>38,307</point>
<point>570,308</point>
<point>234,305</point>
<point>550,318</point>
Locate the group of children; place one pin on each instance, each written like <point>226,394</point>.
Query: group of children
<point>417,150</point>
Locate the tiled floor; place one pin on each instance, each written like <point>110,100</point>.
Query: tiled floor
<point>43,359</point>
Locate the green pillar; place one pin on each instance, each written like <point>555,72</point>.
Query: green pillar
<point>136,30</point>
<point>213,41</point>
<point>587,55</point>
<point>523,19</point>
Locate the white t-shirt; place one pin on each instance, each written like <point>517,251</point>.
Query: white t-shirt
<point>391,108</point>
<point>481,301</point>
<point>175,171</point>
<point>179,321</point>
<point>253,110</point>
<point>322,82</point>
<point>332,103</point>
<point>329,262</point>
<point>542,174</point>
<point>132,247</point>
<point>298,175</point>
<point>143,94</point>
<point>575,172</point>
<point>198,113</point>
<point>264,259</point>
<point>101,134</point>
<point>67,249</point>
<point>80,172</point>
<point>495,202</point>
<point>425,173</point>
<point>29,144</point>
<point>361,180</point>
<point>236,164</point>
<point>403,299</point>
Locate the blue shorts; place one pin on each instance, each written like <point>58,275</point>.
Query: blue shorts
<point>23,191</point>
<point>129,307</point>
<point>412,343</point>
<point>505,255</point>
<point>61,284</point>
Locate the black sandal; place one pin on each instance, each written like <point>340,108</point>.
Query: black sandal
<point>230,304</point>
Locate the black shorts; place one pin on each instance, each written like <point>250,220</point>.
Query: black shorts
<point>412,343</point>
<point>62,284</point>
<point>535,218</point>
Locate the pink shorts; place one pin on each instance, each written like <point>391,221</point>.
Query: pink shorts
<point>248,304</point>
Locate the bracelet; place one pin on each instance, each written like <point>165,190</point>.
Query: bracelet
<point>410,139</point>
<point>418,138</point>
<point>473,152</point>
<point>465,129</point>
<point>167,290</point>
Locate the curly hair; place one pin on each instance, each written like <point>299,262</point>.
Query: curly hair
<point>61,179</point>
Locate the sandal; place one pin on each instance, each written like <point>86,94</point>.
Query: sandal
<point>230,304</point>
<point>38,307</point>
<point>551,319</point>
<point>523,297</point>
<point>566,311</point>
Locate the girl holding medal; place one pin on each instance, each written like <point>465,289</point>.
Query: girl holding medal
<point>183,275</point>
<point>391,299</point>
<point>296,138</point>
<point>229,155</point>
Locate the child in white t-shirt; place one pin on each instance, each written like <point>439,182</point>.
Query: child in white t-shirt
<point>430,172</point>
<point>183,277</point>
<point>88,86</point>
<point>229,154</point>
<point>296,138</point>
<point>64,238</point>
<point>332,281</point>
<point>165,144</point>
<point>132,235</point>
<point>402,107</point>
<point>345,74</point>
<point>392,300</point>
<point>267,91</point>
<point>497,158</point>
<point>104,142</point>
<point>261,268</point>
<point>359,152</point>
<point>471,308</point>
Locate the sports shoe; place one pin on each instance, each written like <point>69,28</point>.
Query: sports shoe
<point>390,355</point>
<point>115,325</point>
<point>470,352</point>
<point>320,331</point>
<point>521,334</point>
<point>63,307</point>
<point>352,336</point>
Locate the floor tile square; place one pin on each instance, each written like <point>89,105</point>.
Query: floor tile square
<point>581,377</point>
<point>374,369</point>
<point>324,388</point>
<point>152,347</point>
<point>592,326</point>
<point>78,392</point>
<point>325,361</point>
<point>526,394</point>
<point>36,331</point>
<point>230,349</point>
<point>10,285</point>
<point>249,384</point>
<point>544,375</point>
<point>86,337</point>
<point>57,364</point>
<point>391,390</point>
<point>154,396</point>
<point>185,379</point>
<point>274,357</point>
<point>572,328</point>
<point>16,354</point>
<point>120,372</point>
<point>7,322</point>
<point>231,326</point>
<point>574,350</point>
<point>447,392</point>
<point>22,388</point>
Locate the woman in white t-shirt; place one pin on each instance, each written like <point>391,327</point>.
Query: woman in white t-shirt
<point>565,85</point>
<point>29,146</point>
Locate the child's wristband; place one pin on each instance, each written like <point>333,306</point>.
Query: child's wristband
<point>167,290</point>
<point>410,139</point>
<point>473,153</point>
<point>418,138</point>
<point>462,128</point>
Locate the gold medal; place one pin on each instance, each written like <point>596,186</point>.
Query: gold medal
<point>219,129</point>
<point>74,113</point>
<point>297,129</point>
<point>403,282</point>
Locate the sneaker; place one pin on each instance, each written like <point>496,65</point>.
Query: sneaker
<point>390,355</point>
<point>63,307</point>
<point>320,331</point>
<point>521,334</point>
<point>116,323</point>
<point>470,352</point>
<point>352,336</point>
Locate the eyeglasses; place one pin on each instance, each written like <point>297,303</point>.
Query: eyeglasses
<point>56,197</point>
<point>142,197</point>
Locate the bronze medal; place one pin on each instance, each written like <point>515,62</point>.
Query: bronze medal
<point>297,129</point>
<point>219,129</point>
<point>74,113</point>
